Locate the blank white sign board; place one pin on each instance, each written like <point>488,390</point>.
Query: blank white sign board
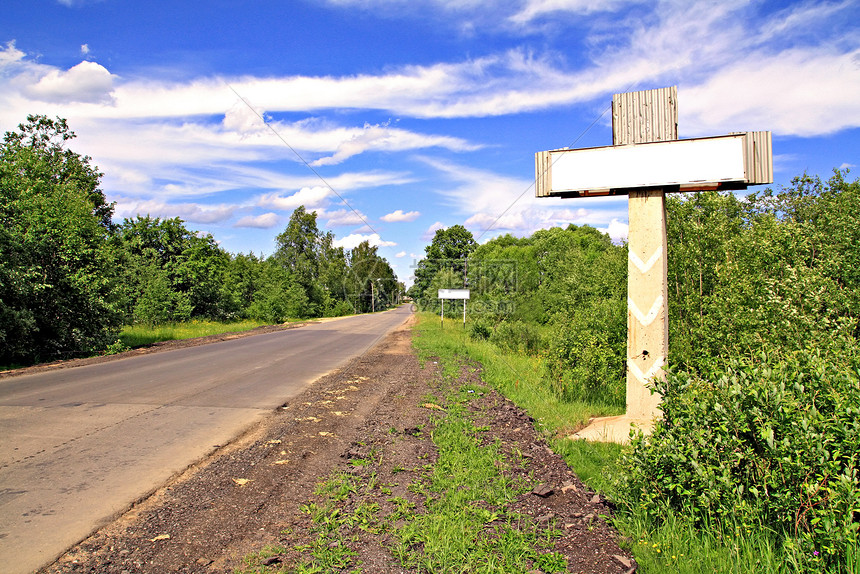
<point>453,293</point>
<point>678,162</point>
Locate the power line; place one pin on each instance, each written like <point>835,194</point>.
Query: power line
<point>302,159</point>
<point>531,186</point>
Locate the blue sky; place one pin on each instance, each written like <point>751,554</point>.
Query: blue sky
<point>405,116</point>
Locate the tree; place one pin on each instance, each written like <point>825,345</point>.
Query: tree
<point>333,278</point>
<point>189,271</point>
<point>57,284</point>
<point>298,251</point>
<point>374,284</point>
<point>279,296</point>
<point>777,271</point>
<point>242,279</point>
<point>449,249</point>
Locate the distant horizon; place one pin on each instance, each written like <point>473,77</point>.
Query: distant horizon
<point>393,119</point>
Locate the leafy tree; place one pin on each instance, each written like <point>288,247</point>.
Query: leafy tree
<point>158,302</point>
<point>333,278</point>
<point>449,249</point>
<point>373,282</point>
<point>243,277</point>
<point>56,281</point>
<point>773,272</point>
<point>299,252</point>
<point>279,296</point>
<point>188,270</point>
<point>46,139</point>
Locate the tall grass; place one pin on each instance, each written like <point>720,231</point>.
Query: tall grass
<point>139,335</point>
<point>519,377</point>
<point>674,546</point>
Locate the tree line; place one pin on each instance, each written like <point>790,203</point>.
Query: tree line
<point>70,276</point>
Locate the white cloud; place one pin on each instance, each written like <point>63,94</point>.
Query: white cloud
<point>766,93</point>
<point>343,217</point>
<point>431,231</point>
<point>351,241</point>
<point>400,254</point>
<point>385,138</point>
<point>85,49</point>
<point>398,215</point>
<point>264,221</point>
<point>537,8</point>
<point>193,212</point>
<point>799,19</point>
<point>492,204</point>
<point>617,231</point>
<point>360,180</point>
<point>87,82</point>
<point>847,165</point>
<point>10,55</point>
<point>310,197</point>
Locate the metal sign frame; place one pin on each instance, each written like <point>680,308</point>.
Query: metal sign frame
<point>455,294</point>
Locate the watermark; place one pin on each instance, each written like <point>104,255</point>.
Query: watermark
<point>481,276</point>
<point>479,307</point>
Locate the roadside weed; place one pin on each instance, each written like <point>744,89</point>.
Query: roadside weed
<point>466,527</point>
<point>138,335</point>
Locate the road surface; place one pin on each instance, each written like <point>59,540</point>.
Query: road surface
<point>82,444</point>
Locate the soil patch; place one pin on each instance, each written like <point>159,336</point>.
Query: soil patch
<point>366,421</point>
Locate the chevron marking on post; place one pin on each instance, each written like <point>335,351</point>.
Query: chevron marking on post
<point>645,267</point>
<point>645,377</point>
<point>652,313</point>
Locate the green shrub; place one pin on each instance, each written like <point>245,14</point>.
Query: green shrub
<point>276,303</point>
<point>586,356</point>
<point>338,309</point>
<point>480,330</point>
<point>516,336</point>
<point>772,443</point>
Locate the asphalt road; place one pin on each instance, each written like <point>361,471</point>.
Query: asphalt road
<point>80,445</point>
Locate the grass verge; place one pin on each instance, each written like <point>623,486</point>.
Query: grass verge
<point>517,376</point>
<point>672,547</point>
<point>133,336</point>
<point>466,527</point>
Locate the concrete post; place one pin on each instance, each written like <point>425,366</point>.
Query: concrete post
<point>647,289</point>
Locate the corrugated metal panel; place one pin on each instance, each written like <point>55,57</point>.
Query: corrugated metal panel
<point>543,174</point>
<point>759,157</point>
<point>645,116</point>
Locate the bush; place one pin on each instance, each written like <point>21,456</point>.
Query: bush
<point>516,336</point>
<point>275,303</point>
<point>338,309</point>
<point>587,355</point>
<point>480,330</point>
<point>773,442</point>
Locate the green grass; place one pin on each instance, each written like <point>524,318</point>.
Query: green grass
<point>139,335</point>
<point>519,377</point>
<point>466,527</point>
<point>673,547</point>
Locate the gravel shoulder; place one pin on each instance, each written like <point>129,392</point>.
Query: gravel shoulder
<point>248,495</point>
